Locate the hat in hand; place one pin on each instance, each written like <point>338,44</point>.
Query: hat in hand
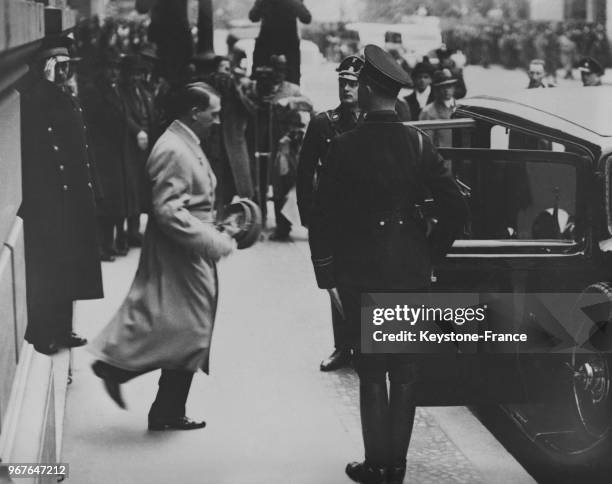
<point>590,66</point>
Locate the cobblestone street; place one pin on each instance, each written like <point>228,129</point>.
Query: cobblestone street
<point>272,416</point>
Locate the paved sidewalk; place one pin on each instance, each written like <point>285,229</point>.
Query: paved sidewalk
<point>273,417</point>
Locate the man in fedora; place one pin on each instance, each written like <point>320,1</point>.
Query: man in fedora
<point>446,62</point>
<point>423,93</point>
<point>58,207</point>
<point>591,72</point>
<point>442,107</point>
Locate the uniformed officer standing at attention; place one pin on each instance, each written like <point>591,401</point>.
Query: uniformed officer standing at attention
<point>366,234</point>
<point>58,207</point>
<point>320,133</point>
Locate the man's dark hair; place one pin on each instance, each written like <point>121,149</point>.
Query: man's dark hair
<point>217,61</point>
<point>191,96</point>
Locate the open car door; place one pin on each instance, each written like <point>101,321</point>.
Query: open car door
<point>528,213</point>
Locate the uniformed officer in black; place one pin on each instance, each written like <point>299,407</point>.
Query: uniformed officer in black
<point>591,72</point>
<point>321,131</point>
<point>366,235</point>
<point>58,206</point>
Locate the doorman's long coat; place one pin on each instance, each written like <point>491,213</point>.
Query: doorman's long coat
<point>59,198</point>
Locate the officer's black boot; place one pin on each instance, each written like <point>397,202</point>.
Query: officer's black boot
<point>401,409</point>
<point>374,405</point>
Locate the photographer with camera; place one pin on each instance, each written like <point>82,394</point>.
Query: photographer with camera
<point>269,98</point>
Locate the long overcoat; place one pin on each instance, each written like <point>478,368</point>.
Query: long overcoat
<point>279,34</point>
<point>140,113</point>
<point>59,196</point>
<point>234,116</point>
<point>105,112</point>
<point>166,321</point>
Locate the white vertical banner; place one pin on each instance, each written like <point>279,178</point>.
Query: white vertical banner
<point>547,10</point>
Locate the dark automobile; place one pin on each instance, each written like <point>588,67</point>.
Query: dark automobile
<point>536,171</point>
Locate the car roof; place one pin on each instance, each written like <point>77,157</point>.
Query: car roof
<point>582,112</point>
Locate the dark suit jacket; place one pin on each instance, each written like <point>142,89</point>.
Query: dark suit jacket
<point>363,229</point>
<point>105,113</point>
<point>413,104</point>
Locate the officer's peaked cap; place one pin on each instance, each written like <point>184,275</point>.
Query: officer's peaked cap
<point>591,66</point>
<point>382,70</point>
<point>350,67</point>
<point>56,46</point>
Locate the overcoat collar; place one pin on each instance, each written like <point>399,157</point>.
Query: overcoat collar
<point>190,138</point>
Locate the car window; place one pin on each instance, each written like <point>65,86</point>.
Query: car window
<point>521,200</point>
<point>499,137</point>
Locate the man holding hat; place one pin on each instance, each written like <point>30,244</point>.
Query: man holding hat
<point>422,94</point>
<point>366,234</point>
<point>442,107</point>
<point>58,207</point>
<point>323,128</point>
<point>591,72</point>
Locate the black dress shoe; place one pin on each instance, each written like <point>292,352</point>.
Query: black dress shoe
<point>338,359</point>
<point>366,473</point>
<point>106,256</point>
<point>73,340</point>
<point>180,423</point>
<point>112,386</point>
<point>47,348</point>
<point>122,250</point>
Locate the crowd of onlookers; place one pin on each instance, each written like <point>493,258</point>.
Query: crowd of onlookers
<point>127,101</point>
<point>514,44</point>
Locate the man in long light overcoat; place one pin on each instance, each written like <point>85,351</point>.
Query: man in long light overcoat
<point>167,318</point>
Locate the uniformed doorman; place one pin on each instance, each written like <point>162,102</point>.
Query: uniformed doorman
<point>366,235</point>
<point>321,131</point>
<point>58,208</point>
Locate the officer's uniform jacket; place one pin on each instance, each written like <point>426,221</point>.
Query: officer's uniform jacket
<point>323,128</point>
<point>365,231</point>
<point>59,197</point>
